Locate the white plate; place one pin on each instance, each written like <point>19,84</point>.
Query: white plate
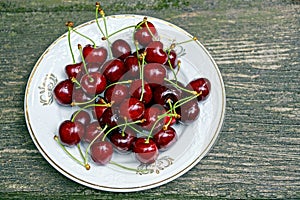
<point>43,114</point>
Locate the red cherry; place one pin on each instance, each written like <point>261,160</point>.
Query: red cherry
<point>73,69</point>
<point>189,111</point>
<point>142,34</point>
<point>116,94</point>
<point>110,117</point>
<point>201,85</point>
<point>113,69</point>
<point>99,110</point>
<point>63,92</point>
<point>165,93</point>
<point>92,130</point>
<point>164,139</point>
<point>156,53</point>
<point>135,90</point>
<point>154,74</point>
<point>93,83</point>
<point>120,49</point>
<point>81,116</point>
<point>132,67</point>
<point>172,58</point>
<point>101,152</point>
<point>146,153</point>
<point>122,141</point>
<point>70,133</point>
<point>79,96</point>
<point>132,109</point>
<point>94,55</point>
<point>151,116</point>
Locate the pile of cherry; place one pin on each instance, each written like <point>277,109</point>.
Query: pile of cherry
<point>125,99</point>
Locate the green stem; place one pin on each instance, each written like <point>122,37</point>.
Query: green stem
<point>142,77</point>
<point>176,85</point>
<point>69,41</point>
<point>128,168</point>
<point>83,60</point>
<point>136,130</point>
<point>87,106</point>
<point>120,82</point>
<point>97,22</point>
<point>81,154</point>
<point>94,44</point>
<point>120,30</point>
<point>65,150</point>
<point>171,67</point>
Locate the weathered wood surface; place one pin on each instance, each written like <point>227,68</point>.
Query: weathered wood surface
<point>256,45</point>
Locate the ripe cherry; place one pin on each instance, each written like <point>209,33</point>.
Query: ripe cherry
<point>120,49</point>
<point>165,93</point>
<point>135,90</point>
<point>145,152</point>
<point>122,141</point>
<point>116,93</point>
<point>92,130</point>
<point>189,111</point>
<point>73,69</point>
<point>93,83</point>
<point>70,133</point>
<point>81,116</point>
<point>101,152</point>
<point>109,117</point>
<point>151,116</point>
<point>172,59</point>
<point>113,69</point>
<point>63,92</point>
<point>156,53</point>
<point>154,74</point>
<point>99,108</point>
<point>94,55</point>
<point>132,67</point>
<point>202,86</point>
<point>164,139</point>
<point>142,34</point>
<point>132,109</point>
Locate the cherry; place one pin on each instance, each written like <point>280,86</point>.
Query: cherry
<point>135,90</point>
<point>132,67</point>
<point>113,69</point>
<point>99,110</point>
<point>155,53</point>
<point>154,74</point>
<point>90,67</point>
<point>151,116</point>
<point>122,141</point>
<point>73,69</point>
<point>202,86</point>
<point>81,116</point>
<point>120,49</point>
<point>165,93</point>
<point>109,117</point>
<point>189,111</point>
<point>94,55</point>
<point>92,130</point>
<point>80,97</point>
<point>70,132</point>
<point>145,152</point>
<point>169,121</point>
<point>172,57</point>
<point>164,139</point>
<point>142,34</point>
<point>132,109</point>
<point>116,93</point>
<point>63,92</point>
<point>101,152</point>
<point>93,83</point>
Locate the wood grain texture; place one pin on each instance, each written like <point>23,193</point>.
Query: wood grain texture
<point>256,45</point>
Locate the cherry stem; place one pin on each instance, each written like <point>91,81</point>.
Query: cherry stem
<point>83,103</point>
<point>83,60</point>
<point>176,85</point>
<point>136,130</point>
<point>120,30</point>
<point>153,37</point>
<point>81,154</point>
<point>123,130</point>
<point>97,22</point>
<point>142,75</point>
<point>92,142</point>
<point>120,82</point>
<point>127,123</point>
<point>128,168</point>
<point>86,37</point>
<point>65,150</point>
<point>170,65</point>
<point>187,41</point>
<point>87,106</point>
<point>185,100</point>
<point>69,41</point>
<point>74,80</point>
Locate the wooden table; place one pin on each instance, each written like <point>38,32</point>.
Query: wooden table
<point>256,45</point>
